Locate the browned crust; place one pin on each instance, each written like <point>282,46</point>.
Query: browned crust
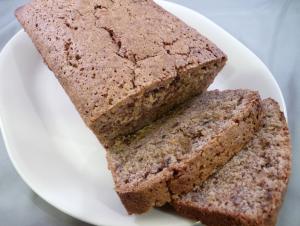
<point>104,129</point>
<point>157,113</point>
<point>18,12</point>
<point>160,189</point>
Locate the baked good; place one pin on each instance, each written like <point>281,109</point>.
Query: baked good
<point>183,148</point>
<point>249,189</point>
<point>123,63</point>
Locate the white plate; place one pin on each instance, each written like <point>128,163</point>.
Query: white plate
<point>59,158</point>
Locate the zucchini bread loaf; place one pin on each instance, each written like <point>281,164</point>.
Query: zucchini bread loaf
<point>123,63</point>
<point>249,189</point>
<point>183,148</point>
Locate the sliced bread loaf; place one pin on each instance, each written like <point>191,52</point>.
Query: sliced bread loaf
<point>123,63</point>
<point>183,148</point>
<point>249,189</point>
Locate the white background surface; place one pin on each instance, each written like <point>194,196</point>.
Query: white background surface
<point>267,27</point>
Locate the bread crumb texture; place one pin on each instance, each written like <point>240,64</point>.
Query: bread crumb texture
<point>175,138</point>
<point>249,189</point>
<point>184,147</point>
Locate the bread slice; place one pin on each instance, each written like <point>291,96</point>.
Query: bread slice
<point>183,148</point>
<point>123,63</point>
<point>249,189</point>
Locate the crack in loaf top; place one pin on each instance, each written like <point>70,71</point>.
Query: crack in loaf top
<point>106,50</point>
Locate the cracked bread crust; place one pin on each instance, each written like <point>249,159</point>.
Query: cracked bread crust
<point>123,63</point>
<point>182,149</point>
<point>249,189</point>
